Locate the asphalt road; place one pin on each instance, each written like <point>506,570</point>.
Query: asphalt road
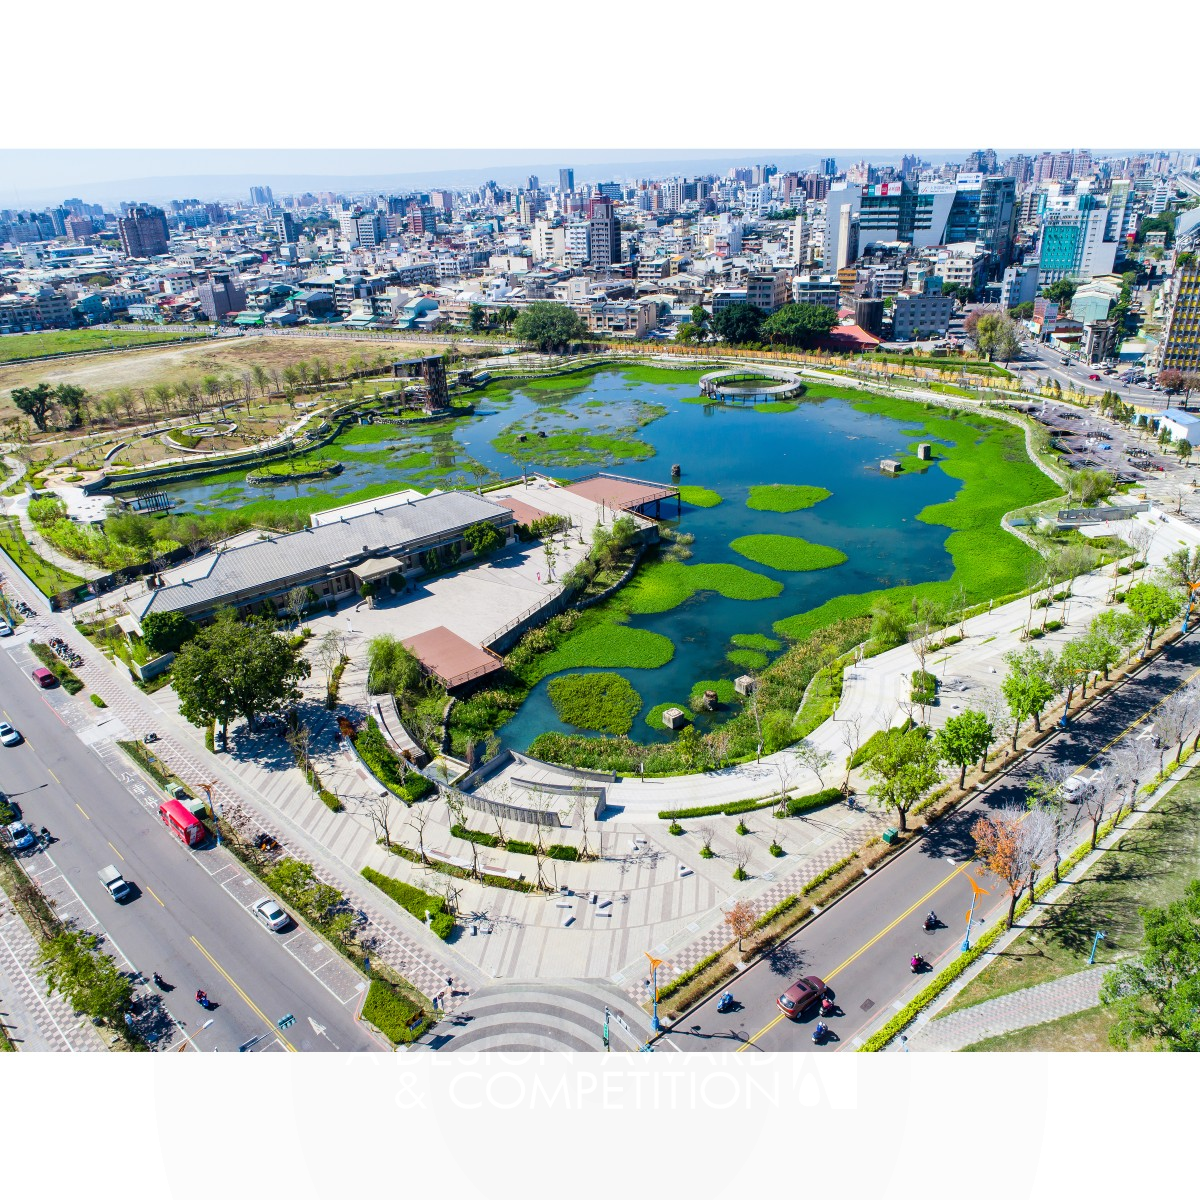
<point>190,920</point>
<point>862,944</point>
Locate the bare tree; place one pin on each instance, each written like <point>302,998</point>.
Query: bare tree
<point>381,808</point>
<point>741,856</point>
<point>1128,764</point>
<point>418,818</point>
<point>328,655</point>
<point>582,811</point>
<point>740,919</point>
<point>810,757</point>
<point>455,803</point>
<point>1095,797</point>
<point>959,608</point>
<point>1141,538</point>
<point>785,766</point>
<point>707,832</point>
<point>995,707</point>
<point>1171,723</point>
<point>850,730</point>
<point>299,736</point>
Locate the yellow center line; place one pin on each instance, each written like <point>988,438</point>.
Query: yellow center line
<point>77,805</point>
<point>954,874</point>
<point>54,777</point>
<point>147,886</point>
<point>117,852</point>
<point>229,979</point>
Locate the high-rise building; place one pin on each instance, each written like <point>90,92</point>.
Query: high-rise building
<point>613,191</point>
<point>219,296</point>
<point>261,197</point>
<point>1179,348</point>
<point>604,233</point>
<point>143,231</point>
<point>829,167</point>
<point>566,179</point>
<point>285,228</point>
<point>532,183</point>
<point>1072,242</point>
<point>998,219</point>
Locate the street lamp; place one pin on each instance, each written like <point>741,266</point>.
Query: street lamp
<point>976,892</point>
<point>1095,943</point>
<point>655,963</point>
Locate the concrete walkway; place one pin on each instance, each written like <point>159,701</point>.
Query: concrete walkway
<point>1018,1010</point>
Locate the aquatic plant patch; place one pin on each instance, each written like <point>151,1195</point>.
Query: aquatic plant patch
<point>785,553</point>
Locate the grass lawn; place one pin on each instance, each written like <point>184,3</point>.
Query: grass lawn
<point>604,702</point>
<point>14,347</point>
<point>663,585</point>
<point>654,718</point>
<point>756,641</point>
<point>700,497</point>
<point>785,553</point>
<point>785,497</point>
<point>1151,866</point>
<point>1085,1031</point>
<point>47,578</point>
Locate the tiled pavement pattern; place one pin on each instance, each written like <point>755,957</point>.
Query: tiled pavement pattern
<point>1018,1010</point>
<point>34,1020</point>
<point>538,1016</point>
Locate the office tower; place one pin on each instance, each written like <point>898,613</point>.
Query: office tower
<point>285,227</point>
<point>604,233</point>
<point>998,219</point>
<point>531,183</point>
<point>261,197</point>
<point>143,231</point>
<point>566,179</point>
<point>219,296</point>
<point>829,167</point>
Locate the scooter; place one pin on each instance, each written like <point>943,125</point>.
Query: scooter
<point>725,1003</point>
<point>150,737</point>
<point>203,1000</point>
<point>820,1033</point>
<point>828,1007</point>
<point>916,964</point>
<point>931,922</point>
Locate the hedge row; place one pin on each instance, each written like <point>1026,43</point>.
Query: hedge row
<point>71,682</point>
<point>669,989</point>
<point>474,835</point>
<point>414,901</point>
<point>445,868</point>
<point>826,875</point>
<point>557,850</point>
<point>715,810</point>
<point>799,804</point>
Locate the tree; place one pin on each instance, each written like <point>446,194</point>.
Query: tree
<point>1184,449</point>
<point>1070,669</point>
<point>236,667</point>
<point>296,601</point>
<point>1021,312</point>
<point>740,919</point>
<point>476,317</point>
<point>810,757</point>
<point>34,402</point>
<point>392,667</point>
<point>799,324</point>
<point>549,326</point>
<point>1156,997</point>
<point>739,323</point>
<point>1027,687</point>
<point>689,332</point>
<point>165,633</point>
<point>1153,605</point>
<point>73,400</point>
<point>963,739</point>
<point>904,768</point>
<point>72,964</point>
<point>1004,845</point>
<point>1061,292</point>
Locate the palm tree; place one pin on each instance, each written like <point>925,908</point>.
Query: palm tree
<point>260,378</point>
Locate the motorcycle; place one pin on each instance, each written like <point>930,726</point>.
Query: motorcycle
<point>828,1008</point>
<point>916,964</point>
<point>725,1004</point>
<point>820,1033</point>
<point>931,922</point>
<point>150,737</point>
<point>203,1000</point>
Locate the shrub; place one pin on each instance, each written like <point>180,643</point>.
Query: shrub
<point>739,874</point>
<point>98,701</point>
<point>705,852</point>
<point>773,914</point>
<point>548,525</point>
<point>742,829</point>
<point>1053,626</point>
<point>826,875</point>
<point>776,850</point>
<point>669,989</point>
<point>330,801</point>
<point>483,537</point>
<point>474,835</point>
<point>411,899</point>
<point>714,810</point>
<point>675,829</point>
<point>799,804</point>
<point>380,760</point>
<point>563,853</point>
<point>393,1014</point>
<point>209,735</point>
<point>514,846</point>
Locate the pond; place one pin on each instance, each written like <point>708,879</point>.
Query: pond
<point>643,428</point>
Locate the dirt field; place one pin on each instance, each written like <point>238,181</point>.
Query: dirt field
<point>142,368</point>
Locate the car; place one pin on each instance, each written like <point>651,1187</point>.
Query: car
<point>1094,378</point>
<point>270,914</point>
<point>117,886</point>
<point>8,735</point>
<point>6,629</point>
<point>1077,784</point>
<point>801,996</point>
<point>20,836</point>
<point>43,677</point>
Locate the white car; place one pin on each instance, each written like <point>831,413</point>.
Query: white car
<point>8,735</point>
<point>20,836</point>
<point>270,914</point>
<point>5,629</point>
<point>1077,784</point>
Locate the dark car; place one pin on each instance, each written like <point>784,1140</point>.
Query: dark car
<point>801,996</point>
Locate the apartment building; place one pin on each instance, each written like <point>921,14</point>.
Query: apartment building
<point>630,319</point>
<point>924,315</point>
<point>143,231</point>
<point>767,290</point>
<point>1179,348</point>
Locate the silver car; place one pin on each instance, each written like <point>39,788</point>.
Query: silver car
<point>8,735</point>
<point>270,914</point>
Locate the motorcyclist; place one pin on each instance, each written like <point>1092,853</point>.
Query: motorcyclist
<point>820,1031</point>
<point>915,962</point>
<point>158,979</point>
<point>201,998</point>
<point>931,920</point>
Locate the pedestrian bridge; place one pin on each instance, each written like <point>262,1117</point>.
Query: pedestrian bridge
<point>759,383</point>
